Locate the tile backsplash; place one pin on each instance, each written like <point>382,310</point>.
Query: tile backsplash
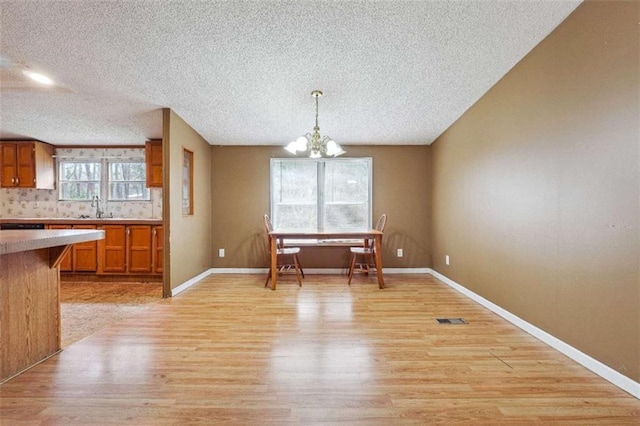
<point>43,203</point>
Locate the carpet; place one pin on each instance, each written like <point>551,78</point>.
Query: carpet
<point>87,307</point>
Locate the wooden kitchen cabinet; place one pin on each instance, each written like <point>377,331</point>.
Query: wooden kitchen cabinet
<point>114,249</point>
<point>127,249</point>
<point>66,265</point>
<point>27,165</point>
<point>131,249</point>
<point>158,251</point>
<point>153,160</point>
<point>139,248</point>
<point>83,257</point>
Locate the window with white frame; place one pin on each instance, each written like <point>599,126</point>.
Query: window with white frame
<point>321,193</point>
<point>82,180</point>
<point>127,181</point>
<point>79,180</point>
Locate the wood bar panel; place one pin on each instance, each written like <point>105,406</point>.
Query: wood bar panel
<point>29,310</point>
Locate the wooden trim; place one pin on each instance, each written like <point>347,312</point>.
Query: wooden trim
<point>166,202</point>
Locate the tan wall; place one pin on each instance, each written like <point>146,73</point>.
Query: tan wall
<point>536,188</point>
<point>241,197</point>
<point>190,247</point>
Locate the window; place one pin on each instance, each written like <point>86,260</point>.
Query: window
<point>321,193</point>
<point>82,180</point>
<point>79,181</point>
<point>127,181</point>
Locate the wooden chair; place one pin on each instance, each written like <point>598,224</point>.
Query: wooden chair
<point>367,253</point>
<point>287,257</point>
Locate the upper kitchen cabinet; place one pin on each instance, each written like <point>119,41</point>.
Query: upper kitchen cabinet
<point>153,158</point>
<point>27,165</point>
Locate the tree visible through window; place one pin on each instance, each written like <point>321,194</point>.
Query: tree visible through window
<point>321,193</point>
<point>127,181</point>
<point>79,181</point>
<point>120,180</point>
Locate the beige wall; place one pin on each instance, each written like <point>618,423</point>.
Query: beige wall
<point>190,245</point>
<point>240,181</point>
<point>536,188</point>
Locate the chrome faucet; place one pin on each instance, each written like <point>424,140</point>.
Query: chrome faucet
<point>95,202</point>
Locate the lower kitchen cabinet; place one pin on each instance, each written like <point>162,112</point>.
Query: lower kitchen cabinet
<point>83,257</point>
<point>139,248</point>
<point>131,249</point>
<point>114,249</point>
<point>66,265</point>
<point>127,249</point>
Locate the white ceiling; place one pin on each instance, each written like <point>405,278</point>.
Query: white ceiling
<point>241,72</point>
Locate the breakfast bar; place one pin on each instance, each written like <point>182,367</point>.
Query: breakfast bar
<point>30,294</point>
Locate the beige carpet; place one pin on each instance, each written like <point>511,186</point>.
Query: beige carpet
<point>87,307</point>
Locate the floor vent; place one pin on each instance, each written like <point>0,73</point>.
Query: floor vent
<point>451,321</point>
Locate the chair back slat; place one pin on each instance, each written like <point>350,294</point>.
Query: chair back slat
<point>382,222</point>
<point>380,225</point>
<point>267,223</point>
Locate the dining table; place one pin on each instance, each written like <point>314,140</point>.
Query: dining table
<point>323,236</point>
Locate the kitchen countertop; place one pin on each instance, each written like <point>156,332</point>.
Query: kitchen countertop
<point>77,221</point>
<point>33,239</point>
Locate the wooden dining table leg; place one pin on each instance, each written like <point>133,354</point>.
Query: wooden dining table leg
<point>274,262</point>
<point>378,255</point>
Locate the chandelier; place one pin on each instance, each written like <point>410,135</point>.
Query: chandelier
<point>317,146</point>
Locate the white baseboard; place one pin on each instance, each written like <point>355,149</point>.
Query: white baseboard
<point>185,285</point>
<point>238,270</point>
<point>317,271</point>
<point>602,370</point>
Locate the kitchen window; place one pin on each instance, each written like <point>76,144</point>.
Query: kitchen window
<point>121,180</point>
<point>79,180</point>
<point>321,193</point>
<point>127,181</point>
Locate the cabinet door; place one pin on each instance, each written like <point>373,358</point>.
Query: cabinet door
<point>158,251</point>
<point>114,249</point>
<point>25,165</point>
<point>153,159</point>
<point>66,264</point>
<point>139,248</point>
<point>85,255</point>
<point>8,166</point>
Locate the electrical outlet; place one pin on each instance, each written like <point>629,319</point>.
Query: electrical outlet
<point>400,253</point>
<point>446,259</point>
<point>221,252</point>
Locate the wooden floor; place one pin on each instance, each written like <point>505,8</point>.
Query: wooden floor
<point>228,351</point>
<point>87,307</point>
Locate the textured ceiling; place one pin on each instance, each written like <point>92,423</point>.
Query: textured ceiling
<point>241,73</point>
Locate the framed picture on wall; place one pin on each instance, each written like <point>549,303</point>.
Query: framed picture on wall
<point>187,182</point>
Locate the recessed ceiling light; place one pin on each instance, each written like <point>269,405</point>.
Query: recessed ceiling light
<point>40,78</point>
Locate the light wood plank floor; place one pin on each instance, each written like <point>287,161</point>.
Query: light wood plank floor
<point>228,351</point>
